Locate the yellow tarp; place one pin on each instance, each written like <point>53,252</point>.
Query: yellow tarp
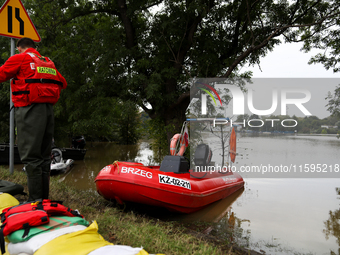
<point>6,252</point>
<point>76,243</point>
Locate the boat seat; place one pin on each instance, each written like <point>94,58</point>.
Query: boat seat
<point>174,164</point>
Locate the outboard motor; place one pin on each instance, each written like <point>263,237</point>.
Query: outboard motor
<point>78,142</point>
<point>203,155</point>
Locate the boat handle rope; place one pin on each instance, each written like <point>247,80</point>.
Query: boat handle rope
<point>116,163</point>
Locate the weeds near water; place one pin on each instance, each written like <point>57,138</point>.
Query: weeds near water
<point>126,228</point>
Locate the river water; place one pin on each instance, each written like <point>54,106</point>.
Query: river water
<point>283,214</point>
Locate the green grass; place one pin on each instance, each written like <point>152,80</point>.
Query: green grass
<point>127,228</point>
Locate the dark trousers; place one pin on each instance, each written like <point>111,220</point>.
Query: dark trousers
<point>35,127</point>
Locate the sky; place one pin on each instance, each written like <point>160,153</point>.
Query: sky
<point>287,61</point>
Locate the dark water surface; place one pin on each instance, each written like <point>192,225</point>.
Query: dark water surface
<point>277,215</point>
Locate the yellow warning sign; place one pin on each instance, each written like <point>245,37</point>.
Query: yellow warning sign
<point>15,21</point>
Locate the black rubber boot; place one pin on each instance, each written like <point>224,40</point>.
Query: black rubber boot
<point>35,189</point>
<point>46,170</point>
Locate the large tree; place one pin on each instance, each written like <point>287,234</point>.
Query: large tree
<point>325,38</point>
<point>147,51</point>
<point>162,44</point>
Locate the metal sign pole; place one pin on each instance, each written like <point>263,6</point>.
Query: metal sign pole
<point>11,121</point>
<point>15,23</point>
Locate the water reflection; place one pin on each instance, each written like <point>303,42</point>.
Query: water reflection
<point>99,155</point>
<point>332,225</point>
<point>270,214</point>
<point>212,213</point>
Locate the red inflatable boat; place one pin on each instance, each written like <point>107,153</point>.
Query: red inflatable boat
<point>172,184</point>
<point>181,191</point>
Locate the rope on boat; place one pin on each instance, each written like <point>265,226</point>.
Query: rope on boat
<point>116,163</point>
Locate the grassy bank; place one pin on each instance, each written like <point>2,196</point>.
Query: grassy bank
<point>129,228</point>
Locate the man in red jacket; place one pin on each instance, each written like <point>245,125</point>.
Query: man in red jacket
<point>36,86</point>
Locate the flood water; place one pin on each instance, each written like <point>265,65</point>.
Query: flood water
<point>275,215</point>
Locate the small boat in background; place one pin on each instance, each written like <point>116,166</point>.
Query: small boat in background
<point>58,164</point>
<point>76,152</point>
<point>4,154</point>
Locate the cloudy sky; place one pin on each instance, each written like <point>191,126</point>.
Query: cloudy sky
<point>287,61</point>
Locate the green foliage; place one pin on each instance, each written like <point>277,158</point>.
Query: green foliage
<point>147,51</point>
<point>325,38</point>
<point>334,102</point>
<point>5,50</point>
<point>332,225</point>
<point>76,45</point>
<point>127,124</point>
<point>157,134</point>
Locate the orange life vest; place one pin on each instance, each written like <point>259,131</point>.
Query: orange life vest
<point>43,87</point>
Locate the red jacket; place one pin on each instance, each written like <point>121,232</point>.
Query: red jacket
<point>19,67</point>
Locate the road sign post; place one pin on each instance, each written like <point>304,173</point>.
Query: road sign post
<point>11,121</point>
<point>15,23</point>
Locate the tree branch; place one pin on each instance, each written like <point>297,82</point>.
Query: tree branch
<point>276,33</point>
<point>129,29</point>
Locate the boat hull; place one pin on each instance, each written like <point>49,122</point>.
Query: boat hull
<point>180,192</point>
<point>61,167</point>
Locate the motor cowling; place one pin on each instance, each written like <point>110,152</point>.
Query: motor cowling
<point>203,155</point>
<point>78,142</point>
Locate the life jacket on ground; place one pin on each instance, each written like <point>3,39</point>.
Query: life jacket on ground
<point>28,215</point>
<point>43,87</point>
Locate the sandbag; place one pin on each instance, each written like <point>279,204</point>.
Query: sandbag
<point>33,244</point>
<point>11,188</point>
<point>118,250</point>
<point>76,243</point>
<point>7,200</point>
<point>56,222</point>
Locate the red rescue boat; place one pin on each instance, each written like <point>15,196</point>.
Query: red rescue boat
<point>171,185</point>
<point>181,192</point>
